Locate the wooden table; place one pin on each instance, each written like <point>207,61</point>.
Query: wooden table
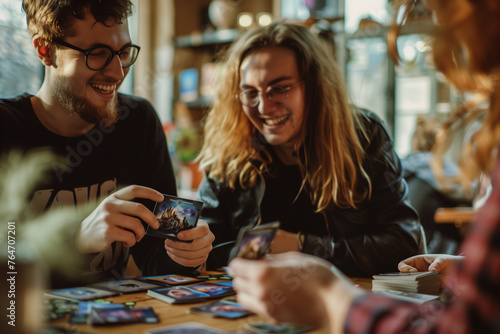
<point>458,215</point>
<point>170,314</point>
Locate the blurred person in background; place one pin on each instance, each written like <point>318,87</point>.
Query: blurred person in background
<point>426,194</point>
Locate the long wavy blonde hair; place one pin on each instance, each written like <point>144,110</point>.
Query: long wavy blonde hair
<point>330,153</point>
<point>466,50</point>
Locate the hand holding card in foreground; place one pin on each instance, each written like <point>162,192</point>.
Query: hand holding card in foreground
<point>301,280</point>
<point>254,243</point>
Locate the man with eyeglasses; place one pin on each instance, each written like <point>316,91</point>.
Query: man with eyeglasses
<point>112,146</point>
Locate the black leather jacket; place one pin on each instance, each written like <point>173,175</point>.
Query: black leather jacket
<point>371,239</point>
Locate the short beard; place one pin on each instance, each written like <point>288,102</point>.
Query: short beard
<point>82,108</point>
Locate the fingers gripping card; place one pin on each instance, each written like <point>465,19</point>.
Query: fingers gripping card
<point>175,214</point>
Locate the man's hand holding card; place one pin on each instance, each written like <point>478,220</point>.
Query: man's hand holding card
<point>124,216</point>
<point>117,218</point>
<point>188,240</point>
<point>175,214</point>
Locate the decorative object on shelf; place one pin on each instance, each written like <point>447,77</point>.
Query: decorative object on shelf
<point>368,23</point>
<point>188,85</point>
<point>245,20</point>
<point>223,13</point>
<point>186,135</point>
<point>264,19</point>
<point>418,13</point>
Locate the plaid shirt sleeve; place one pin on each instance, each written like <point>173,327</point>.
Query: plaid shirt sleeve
<point>472,297</point>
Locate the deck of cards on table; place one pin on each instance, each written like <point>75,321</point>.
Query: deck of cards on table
<point>426,282</point>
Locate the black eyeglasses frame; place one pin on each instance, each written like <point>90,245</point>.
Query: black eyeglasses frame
<point>88,51</point>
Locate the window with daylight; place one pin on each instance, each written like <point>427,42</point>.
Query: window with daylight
<point>20,70</point>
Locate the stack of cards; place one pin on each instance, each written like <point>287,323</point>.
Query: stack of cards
<point>175,214</point>
<point>426,282</point>
<point>81,293</point>
<point>193,293</point>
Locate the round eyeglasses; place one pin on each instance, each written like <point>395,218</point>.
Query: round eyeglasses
<point>276,94</point>
<point>98,57</point>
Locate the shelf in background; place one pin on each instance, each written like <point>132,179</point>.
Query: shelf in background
<point>207,38</point>
<point>458,215</point>
<point>200,102</point>
<point>423,27</point>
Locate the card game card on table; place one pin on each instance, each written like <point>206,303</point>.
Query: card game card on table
<point>125,286</point>
<point>169,280</point>
<point>193,293</point>
<point>81,314</point>
<point>264,327</point>
<point>214,290</point>
<point>81,293</point>
<point>254,243</point>
<point>175,214</point>
<point>186,328</point>
<point>221,309</point>
<point>121,315</point>
<point>54,309</point>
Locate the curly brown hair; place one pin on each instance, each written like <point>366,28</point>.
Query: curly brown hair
<point>51,19</point>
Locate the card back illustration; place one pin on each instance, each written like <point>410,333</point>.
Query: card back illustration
<point>267,328</point>
<point>254,243</point>
<point>175,214</point>
<point>80,293</point>
<point>222,309</point>
<point>170,279</point>
<point>121,315</point>
<point>125,286</point>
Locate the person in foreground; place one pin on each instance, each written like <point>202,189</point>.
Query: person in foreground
<point>471,302</point>
<point>282,143</point>
<point>112,146</point>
